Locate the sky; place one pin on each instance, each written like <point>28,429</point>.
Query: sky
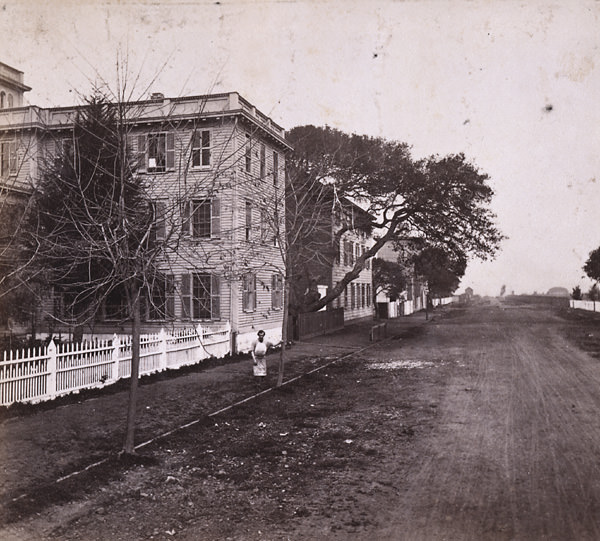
<point>514,85</point>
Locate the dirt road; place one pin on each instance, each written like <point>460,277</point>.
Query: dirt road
<point>483,425</point>
<point>515,450</point>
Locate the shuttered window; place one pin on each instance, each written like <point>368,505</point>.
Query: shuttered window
<point>202,218</point>
<point>156,152</point>
<point>200,296</point>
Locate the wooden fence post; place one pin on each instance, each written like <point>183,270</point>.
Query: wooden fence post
<point>116,345</point>
<point>162,336</point>
<point>51,382</point>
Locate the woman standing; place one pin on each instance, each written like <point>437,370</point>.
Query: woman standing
<point>259,352</point>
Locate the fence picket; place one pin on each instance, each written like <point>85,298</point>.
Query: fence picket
<point>43,373</point>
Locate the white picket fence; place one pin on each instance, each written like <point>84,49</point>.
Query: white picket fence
<point>591,306</point>
<point>40,374</point>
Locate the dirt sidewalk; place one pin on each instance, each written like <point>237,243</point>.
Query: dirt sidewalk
<point>53,440</point>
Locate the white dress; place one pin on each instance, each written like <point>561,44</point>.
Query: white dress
<point>260,351</point>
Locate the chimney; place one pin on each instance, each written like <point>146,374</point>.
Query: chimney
<point>157,96</point>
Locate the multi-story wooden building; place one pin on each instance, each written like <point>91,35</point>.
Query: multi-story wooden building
<point>213,167</point>
<point>323,256</point>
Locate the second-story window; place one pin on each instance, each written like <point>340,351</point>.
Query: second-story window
<point>158,224</point>
<point>264,225</point>
<point>201,148</point>
<point>202,218</point>
<point>248,227</point>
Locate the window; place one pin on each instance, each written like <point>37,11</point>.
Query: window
<point>248,153</point>
<point>202,218</point>
<point>277,292</point>
<point>115,305</point>
<point>68,305</point>
<point>368,294</point>
<point>264,225</point>
<point>2,99</point>
<point>157,214</point>
<point>275,168</point>
<point>8,159</point>
<point>201,149</point>
<point>10,101</point>
<point>346,253</point>
<point>249,292</point>
<point>161,303</point>
<point>156,152</point>
<point>352,295</point>
<point>263,161</point>
<point>346,296</point>
<point>200,296</point>
<point>248,227</point>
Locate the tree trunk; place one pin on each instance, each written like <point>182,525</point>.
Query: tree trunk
<point>284,329</point>
<point>128,446</point>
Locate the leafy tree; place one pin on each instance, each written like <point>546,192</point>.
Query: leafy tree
<point>389,277</point>
<point>442,270</point>
<point>592,265</point>
<point>502,290</point>
<point>576,294</point>
<point>443,200</point>
<point>594,292</point>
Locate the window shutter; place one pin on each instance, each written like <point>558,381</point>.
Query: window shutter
<point>170,150</point>
<point>170,296</point>
<point>161,226</point>
<point>215,218</point>
<point>185,217</point>
<point>141,152</point>
<point>274,291</point>
<point>215,297</point>
<point>186,300</point>
<point>245,292</point>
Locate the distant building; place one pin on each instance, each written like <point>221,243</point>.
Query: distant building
<point>559,292</point>
<point>414,296</point>
<point>323,260</point>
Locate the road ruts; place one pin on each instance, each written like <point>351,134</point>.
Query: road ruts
<point>515,453</point>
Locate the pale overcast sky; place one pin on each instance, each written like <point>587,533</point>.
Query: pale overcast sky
<point>513,85</point>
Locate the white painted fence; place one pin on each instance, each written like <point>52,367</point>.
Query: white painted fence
<point>591,306</point>
<point>39,374</point>
<point>442,301</point>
